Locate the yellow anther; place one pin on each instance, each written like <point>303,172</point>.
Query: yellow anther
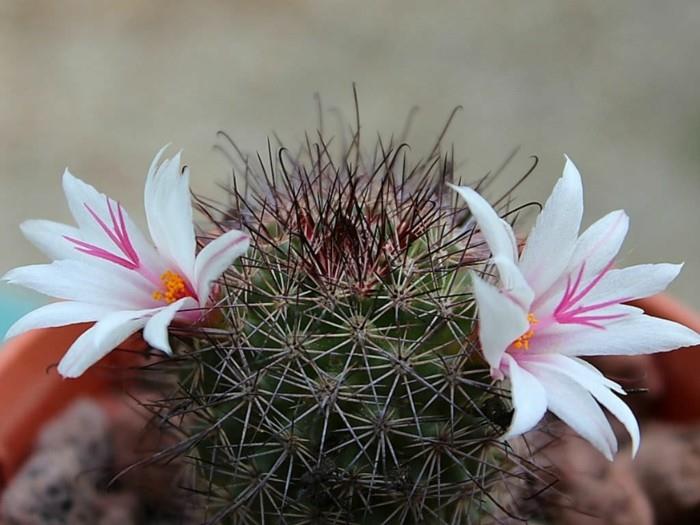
<point>175,288</point>
<point>523,342</point>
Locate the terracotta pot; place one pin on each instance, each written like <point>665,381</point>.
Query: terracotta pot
<point>32,392</point>
<point>679,370</point>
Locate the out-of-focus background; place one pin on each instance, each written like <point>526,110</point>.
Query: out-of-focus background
<point>100,86</point>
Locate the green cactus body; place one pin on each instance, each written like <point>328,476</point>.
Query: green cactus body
<point>338,380</point>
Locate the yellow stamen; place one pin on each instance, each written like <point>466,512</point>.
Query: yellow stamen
<point>523,342</point>
<point>175,288</point>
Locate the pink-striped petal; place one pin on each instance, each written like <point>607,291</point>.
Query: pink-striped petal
<point>97,282</point>
<point>632,335</point>
<point>50,236</point>
<point>105,230</point>
<point>634,282</point>
<point>600,243</point>
<point>594,252</point>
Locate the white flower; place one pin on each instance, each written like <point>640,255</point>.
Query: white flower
<point>106,271</point>
<point>562,298</point>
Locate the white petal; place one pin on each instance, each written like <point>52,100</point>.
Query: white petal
<point>600,243</point>
<point>528,397</point>
<point>169,213</point>
<point>634,335</point>
<point>58,314</point>
<point>576,367</point>
<point>551,242</point>
<point>633,282</point>
<point>501,241</point>
<point>621,411</point>
<point>573,404</point>
<point>600,387</point>
<point>501,321</point>
<point>80,196</point>
<point>215,258</point>
<point>513,283</point>
<point>496,231</point>
<point>100,340</point>
<point>156,331</point>
<point>49,237</point>
<point>84,200</point>
<point>72,280</point>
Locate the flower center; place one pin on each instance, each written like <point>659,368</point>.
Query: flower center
<point>523,342</point>
<point>175,288</point>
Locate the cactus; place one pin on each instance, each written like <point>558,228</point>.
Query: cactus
<point>338,379</point>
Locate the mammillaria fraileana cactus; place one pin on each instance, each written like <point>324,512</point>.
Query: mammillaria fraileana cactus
<point>343,383</point>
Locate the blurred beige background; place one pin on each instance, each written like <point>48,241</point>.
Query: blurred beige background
<point>100,86</point>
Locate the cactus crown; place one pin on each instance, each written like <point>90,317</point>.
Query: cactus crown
<point>338,380</point>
